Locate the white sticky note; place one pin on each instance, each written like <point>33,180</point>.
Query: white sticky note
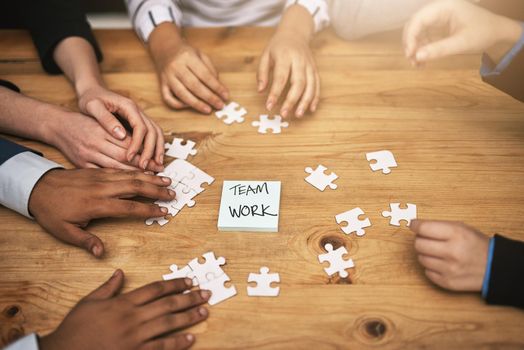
<point>249,206</point>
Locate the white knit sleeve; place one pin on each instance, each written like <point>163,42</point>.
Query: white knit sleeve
<point>318,10</point>
<point>146,15</point>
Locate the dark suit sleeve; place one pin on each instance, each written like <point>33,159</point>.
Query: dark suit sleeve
<point>511,80</point>
<point>506,282</point>
<point>51,21</point>
<point>10,149</point>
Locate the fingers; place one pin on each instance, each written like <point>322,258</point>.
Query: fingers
<point>122,208</point>
<point>76,236</point>
<point>163,181</point>
<point>133,188</point>
<point>172,322</point>
<point>159,150</point>
<point>298,85</point>
<point>149,143</point>
<point>109,122</point>
<point>207,61</point>
<point>171,101</point>
<point>280,76</point>
<point>263,72</point>
<point>130,111</point>
<point>435,277</point>
<point>109,288</point>
<point>206,76</point>
<point>432,263</point>
<point>110,160</point>
<point>156,290</point>
<point>436,230</point>
<point>430,247</point>
<point>176,342</point>
<point>452,45</point>
<point>174,303</point>
<point>309,94</point>
<point>316,98</point>
<point>196,86</point>
<point>179,89</point>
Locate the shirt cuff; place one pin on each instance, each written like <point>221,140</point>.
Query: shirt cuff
<point>29,342</point>
<point>487,274</point>
<point>488,67</point>
<point>318,10</point>
<point>148,14</point>
<point>18,177</point>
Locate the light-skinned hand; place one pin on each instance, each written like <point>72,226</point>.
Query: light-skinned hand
<point>63,202</point>
<point>453,254</point>
<point>142,319</point>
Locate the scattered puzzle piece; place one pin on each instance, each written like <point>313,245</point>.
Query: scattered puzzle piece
<point>184,272</point>
<point>263,280</point>
<point>232,113</point>
<point>265,123</point>
<point>384,160</point>
<point>319,179</point>
<point>336,261</point>
<point>160,220</point>
<point>194,180</point>
<point>177,149</point>
<point>210,266</point>
<point>354,223</point>
<point>398,214</point>
<point>219,292</point>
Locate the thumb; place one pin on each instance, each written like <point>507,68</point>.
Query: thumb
<point>109,288</point>
<point>109,122</point>
<point>76,236</point>
<point>449,46</point>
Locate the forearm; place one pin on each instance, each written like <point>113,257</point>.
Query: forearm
<point>76,58</point>
<point>26,117</point>
<point>296,20</point>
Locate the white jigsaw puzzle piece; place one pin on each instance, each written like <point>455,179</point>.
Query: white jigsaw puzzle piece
<point>232,113</point>
<point>177,170</point>
<point>169,205</point>
<point>274,124</point>
<point>183,197</point>
<point>195,179</point>
<point>184,272</point>
<point>160,220</point>
<point>319,179</point>
<point>177,149</point>
<point>384,161</point>
<point>219,292</point>
<point>336,261</point>
<point>263,280</point>
<point>354,223</point>
<point>398,214</point>
<point>210,266</point>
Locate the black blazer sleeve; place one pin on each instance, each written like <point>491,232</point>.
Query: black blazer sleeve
<point>50,21</point>
<point>511,80</point>
<point>506,282</point>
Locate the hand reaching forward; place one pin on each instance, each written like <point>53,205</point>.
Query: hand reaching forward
<point>147,137</point>
<point>63,202</point>
<point>453,255</point>
<point>468,28</point>
<point>143,319</point>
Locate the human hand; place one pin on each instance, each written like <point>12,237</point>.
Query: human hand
<point>453,254</point>
<point>63,202</point>
<point>469,29</point>
<point>87,145</point>
<point>289,58</point>
<point>144,318</point>
<point>147,138</point>
<point>187,76</point>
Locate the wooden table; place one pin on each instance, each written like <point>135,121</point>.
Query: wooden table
<point>460,148</point>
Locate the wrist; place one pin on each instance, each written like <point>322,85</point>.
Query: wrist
<point>50,126</point>
<point>508,33</point>
<point>297,22</point>
<point>87,83</point>
<point>164,41</point>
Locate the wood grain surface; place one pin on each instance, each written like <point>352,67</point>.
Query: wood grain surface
<point>459,144</point>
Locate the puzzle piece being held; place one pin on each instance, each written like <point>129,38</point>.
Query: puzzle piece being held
<point>319,179</point>
<point>212,266</point>
<point>398,214</point>
<point>263,280</point>
<point>177,149</point>
<point>354,223</point>
<point>274,124</point>
<point>184,272</point>
<point>232,113</point>
<point>219,292</point>
<point>336,261</point>
<point>160,220</point>
<point>384,160</point>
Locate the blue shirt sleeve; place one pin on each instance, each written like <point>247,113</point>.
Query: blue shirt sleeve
<point>487,274</point>
<point>488,67</point>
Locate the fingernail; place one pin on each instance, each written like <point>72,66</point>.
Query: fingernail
<point>144,164</point>
<point>300,112</point>
<point>422,55</point>
<point>149,172</point>
<point>313,108</point>
<point>207,110</point>
<point>97,251</point>
<point>188,282</point>
<point>284,113</point>
<point>190,337</point>
<point>260,84</point>
<point>166,179</point>
<point>117,272</point>
<point>119,132</point>
<point>163,210</point>
<point>130,156</point>
<point>225,95</point>
<point>171,193</point>
<point>205,294</point>
<point>202,311</point>
<point>269,105</point>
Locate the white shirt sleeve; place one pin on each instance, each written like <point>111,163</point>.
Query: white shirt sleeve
<point>146,15</point>
<point>18,177</point>
<point>318,10</point>
<point>29,342</point>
